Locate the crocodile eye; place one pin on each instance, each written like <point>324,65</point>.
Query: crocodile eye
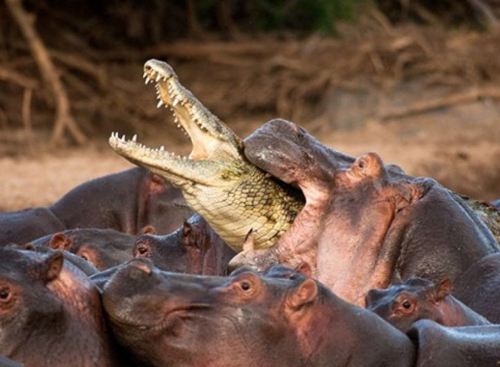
<point>5,294</point>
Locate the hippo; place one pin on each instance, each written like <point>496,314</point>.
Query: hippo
<point>50,313</point>
<point>404,303</point>
<point>479,287</point>
<point>28,224</point>
<point>194,248</point>
<point>6,362</point>
<point>126,201</point>
<point>86,267</point>
<point>364,223</point>
<point>278,318</point>
<point>103,248</point>
<point>467,346</point>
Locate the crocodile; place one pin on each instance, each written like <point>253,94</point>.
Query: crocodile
<point>217,181</point>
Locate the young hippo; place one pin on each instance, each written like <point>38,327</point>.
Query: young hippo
<point>403,304</point>
<point>279,318</point>
<point>194,248</point>
<point>50,313</point>
<point>104,248</point>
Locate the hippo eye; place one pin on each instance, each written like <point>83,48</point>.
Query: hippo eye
<point>407,305</point>
<point>5,294</point>
<point>361,163</point>
<point>245,285</point>
<point>84,257</point>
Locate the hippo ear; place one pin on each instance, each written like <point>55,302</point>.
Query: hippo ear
<point>304,268</point>
<point>149,229</point>
<point>156,184</point>
<point>60,241</point>
<point>443,289</point>
<point>52,266</point>
<point>305,293</point>
<point>187,228</point>
<point>28,246</point>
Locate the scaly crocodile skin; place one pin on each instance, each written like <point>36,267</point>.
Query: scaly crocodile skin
<point>217,181</point>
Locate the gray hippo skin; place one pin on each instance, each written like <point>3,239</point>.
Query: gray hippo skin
<point>279,318</point>
<point>194,248</point>
<point>50,313</point>
<point>467,346</point>
<point>126,201</point>
<point>479,287</point>
<point>103,248</point>
<point>402,304</point>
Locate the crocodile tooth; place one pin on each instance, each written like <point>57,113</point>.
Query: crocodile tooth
<point>123,137</point>
<point>134,138</point>
<point>160,103</point>
<point>162,148</point>
<point>158,77</point>
<point>147,80</point>
<point>144,75</point>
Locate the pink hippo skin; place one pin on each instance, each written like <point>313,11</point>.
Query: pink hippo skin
<point>50,313</point>
<point>364,223</point>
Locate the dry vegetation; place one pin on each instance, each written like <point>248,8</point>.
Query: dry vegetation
<point>421,96</point>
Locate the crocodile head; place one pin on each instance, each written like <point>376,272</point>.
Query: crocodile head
<point>216,179</point>
<point>212,140</point>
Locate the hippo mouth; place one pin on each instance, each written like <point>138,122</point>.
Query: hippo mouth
<point>168,320</point>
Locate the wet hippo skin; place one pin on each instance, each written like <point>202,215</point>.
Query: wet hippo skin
<point>468,346</point>
<point>194,248</point>
<point>479,287</point>
<point>404,303</point>
<point>50,313</point>
<point>6,362</point>
<point>103,248</point>
<point>126,201</point>
<point>364,223</point>
<point>279,318</point>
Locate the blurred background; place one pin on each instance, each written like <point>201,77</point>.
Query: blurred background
<point>416,81</point>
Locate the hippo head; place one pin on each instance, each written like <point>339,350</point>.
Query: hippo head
<point>364,223</point>
<point>103,248</point>
<point>404,303</point>
<point>24,296</point>
<point>194,248</point>
<point>48,305</point>
<point>177,319</point>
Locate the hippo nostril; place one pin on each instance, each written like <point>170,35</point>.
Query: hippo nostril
<point>142,249</point>
<point>139,268</point>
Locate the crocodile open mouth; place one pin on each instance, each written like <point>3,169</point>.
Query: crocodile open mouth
<point>210,137</point>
